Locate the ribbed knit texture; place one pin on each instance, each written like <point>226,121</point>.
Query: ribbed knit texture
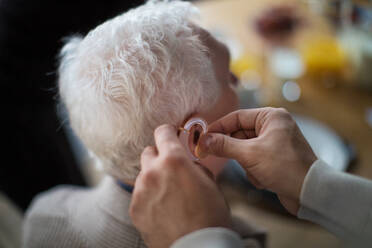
<point>69,216</point>
<point>338,201</point>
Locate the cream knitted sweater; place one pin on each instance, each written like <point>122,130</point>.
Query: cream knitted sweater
<point>70,216</point>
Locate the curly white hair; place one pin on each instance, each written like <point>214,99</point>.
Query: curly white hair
<point>139,70</point>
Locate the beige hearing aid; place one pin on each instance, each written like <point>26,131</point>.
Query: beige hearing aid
<point>190,134</point>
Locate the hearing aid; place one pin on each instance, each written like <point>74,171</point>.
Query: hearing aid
<point>190,134</point>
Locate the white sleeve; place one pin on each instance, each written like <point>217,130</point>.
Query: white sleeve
<point>214,237</point>
<point>338,201</point>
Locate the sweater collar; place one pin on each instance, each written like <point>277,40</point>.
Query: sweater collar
<point>114,200</point>
<point>126,187</point>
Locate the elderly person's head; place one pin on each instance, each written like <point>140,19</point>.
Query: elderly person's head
<point>144,68</point>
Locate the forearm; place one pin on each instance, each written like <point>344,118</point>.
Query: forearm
<point>340,202</point>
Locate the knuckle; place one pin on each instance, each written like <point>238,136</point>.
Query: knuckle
<point>283,119</point>
<point>283,110</point>
<point>163,128</point>
<point>145,152</point>
<point>149,177</point>
<point>147,149</point>
<point>174,149</point>
<point>269,109</point>
<point>283,113</point>
<point>172,160</point>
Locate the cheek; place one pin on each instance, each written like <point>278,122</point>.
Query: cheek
<point>229,101</point>
<point>234,99</point>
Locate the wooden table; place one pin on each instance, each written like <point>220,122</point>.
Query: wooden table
<point>343,108</point>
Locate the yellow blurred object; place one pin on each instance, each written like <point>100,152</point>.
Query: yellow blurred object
<point>323,55</point>
<point>244,63</point>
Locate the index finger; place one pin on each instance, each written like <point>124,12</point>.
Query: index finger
<point>243,119</point>
<point>166,139</point>
<point>148,155</point>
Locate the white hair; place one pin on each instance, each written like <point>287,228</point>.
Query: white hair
<point>131,74</point>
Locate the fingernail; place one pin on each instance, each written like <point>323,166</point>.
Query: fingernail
<point>202,148</point>
<point>200,153</point>
<point>207,140</point>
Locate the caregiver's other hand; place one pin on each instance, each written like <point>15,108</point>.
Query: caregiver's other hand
<point>269,146</point>
<point>172,195</point>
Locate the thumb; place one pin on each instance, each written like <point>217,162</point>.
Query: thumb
<point>221,145</point>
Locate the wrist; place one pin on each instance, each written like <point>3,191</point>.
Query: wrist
<point>290,184</point>
<point>300,183</point>
<point>304,170</point>
<point>291,196</point>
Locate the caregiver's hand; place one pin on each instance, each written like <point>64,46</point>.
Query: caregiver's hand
<point>172,195</point>
<point>270,147</point>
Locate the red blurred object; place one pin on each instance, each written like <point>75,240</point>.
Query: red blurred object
<point>277,23</point>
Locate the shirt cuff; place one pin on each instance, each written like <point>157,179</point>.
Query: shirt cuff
<point>216,237</point>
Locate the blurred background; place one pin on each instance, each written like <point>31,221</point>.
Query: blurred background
<point>313,57</point>
<point>37,153</point>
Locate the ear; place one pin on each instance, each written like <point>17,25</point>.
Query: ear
<point>191,133</point>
